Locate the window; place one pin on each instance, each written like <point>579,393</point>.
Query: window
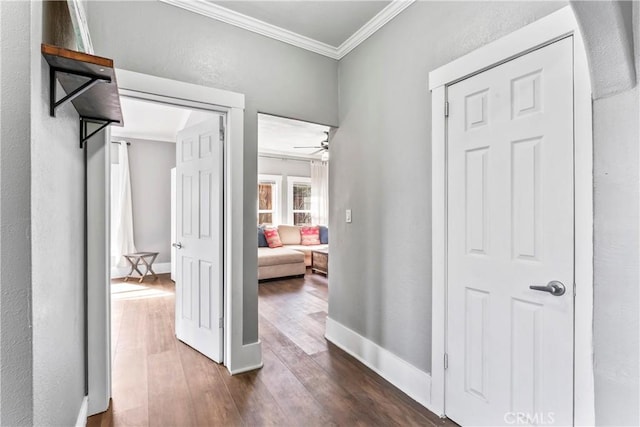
<point>268,199</point>
<point>299,200</point>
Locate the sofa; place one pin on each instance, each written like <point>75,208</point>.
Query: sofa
<point>292,259</point>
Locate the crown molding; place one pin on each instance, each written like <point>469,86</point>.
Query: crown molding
<point>214,11</point>
<point>231,17</point>
<point>374,24</point>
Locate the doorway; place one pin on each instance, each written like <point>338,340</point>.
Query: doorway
<point>510,232</point>
<point>507,218</point>
<point>293,234</point>
<point>156,139</point>
<point>237,356</point>
<point>149,137</point>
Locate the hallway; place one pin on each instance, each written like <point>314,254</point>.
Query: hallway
<point>158,381</point>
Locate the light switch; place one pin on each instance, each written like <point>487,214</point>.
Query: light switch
<point>348,215</point>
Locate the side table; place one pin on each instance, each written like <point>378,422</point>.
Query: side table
<point>320,261</point>
<point>147,259</point>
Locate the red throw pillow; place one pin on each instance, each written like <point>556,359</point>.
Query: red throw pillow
<point>310,235</point>
<point>273,238</point>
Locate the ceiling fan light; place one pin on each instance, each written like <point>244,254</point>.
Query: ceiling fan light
<point>325,156</point>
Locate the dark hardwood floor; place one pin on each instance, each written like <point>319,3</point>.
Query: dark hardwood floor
<point>305,381</point>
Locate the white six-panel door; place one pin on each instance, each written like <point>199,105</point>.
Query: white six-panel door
<point>510,226</point>
<point>199,261</point>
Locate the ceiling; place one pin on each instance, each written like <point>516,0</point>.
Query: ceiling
<point>277,135</point>
<point>332,28</point>
<point>161,122</point>
<point>152,120</point>
<point>330,22</point>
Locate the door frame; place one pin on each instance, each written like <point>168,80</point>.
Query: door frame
<point>549,29</point>
<point>237,356</point>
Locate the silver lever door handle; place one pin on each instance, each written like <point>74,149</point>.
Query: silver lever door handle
<point>177,245</point>
<point>554,287</point>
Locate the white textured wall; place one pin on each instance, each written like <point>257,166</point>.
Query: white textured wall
<point>607,31</point>
<point>16,389</point>
<point>41,345</point>
<point>616,125</point>
<point>57,202</point>
<point>380,167</point>
<point>616,255</point>
<point>276,78</point>
<point>150,164</point>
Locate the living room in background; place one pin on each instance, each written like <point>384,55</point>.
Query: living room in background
<point>293,245</point>
<point>289,152</point>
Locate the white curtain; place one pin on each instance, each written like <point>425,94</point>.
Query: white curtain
<point>123,216</point>
<point>320,193</point>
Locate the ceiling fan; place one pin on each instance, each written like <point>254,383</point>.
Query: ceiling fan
<point>324,145</point>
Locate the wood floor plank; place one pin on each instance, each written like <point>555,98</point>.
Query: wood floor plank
<point>305,381</point>
<point>288,305</point>
<point>342,406</point>
<point>256,405</point>
<point>337,354</point>
<point>134,318</point>
<point>129,378</point>
<point>160,334</point>
<point>212,402</point>
<point>169,399</point>
<point>132,417</point>
<point>386,406</point>
<point>298,404</point>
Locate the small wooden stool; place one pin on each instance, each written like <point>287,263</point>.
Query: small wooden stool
<point>134,261</point>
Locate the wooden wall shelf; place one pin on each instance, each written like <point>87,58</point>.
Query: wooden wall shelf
<point>90,84</point>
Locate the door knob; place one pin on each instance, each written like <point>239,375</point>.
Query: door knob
<point>177,245</point>
<point>554,287</point>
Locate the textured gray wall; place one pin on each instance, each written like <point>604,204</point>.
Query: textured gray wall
<point>606,28</point>
<point>616,255</point>
<point>16,388</point>
<point>276,78</point>
<point>380,268</point>
<point>41,272</point>
<point>388,129</point>
<point>616,318</point>
<point>57,202</point>
<point>150,164</point>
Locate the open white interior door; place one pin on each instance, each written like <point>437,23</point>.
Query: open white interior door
<point>511,243</point>
<point>199,253</point>
<point>174,231</point>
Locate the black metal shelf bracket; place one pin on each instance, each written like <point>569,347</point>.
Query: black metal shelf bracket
<point>89,82</point>
<point>93,79</point>
<point>84,129</point>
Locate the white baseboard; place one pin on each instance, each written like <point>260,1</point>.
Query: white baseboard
<point>81,421</point>
<point>158,267</point>
<point>246,369</point>
<point>411,380</point>
<point>245,359</point>
<point>162,267</point>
